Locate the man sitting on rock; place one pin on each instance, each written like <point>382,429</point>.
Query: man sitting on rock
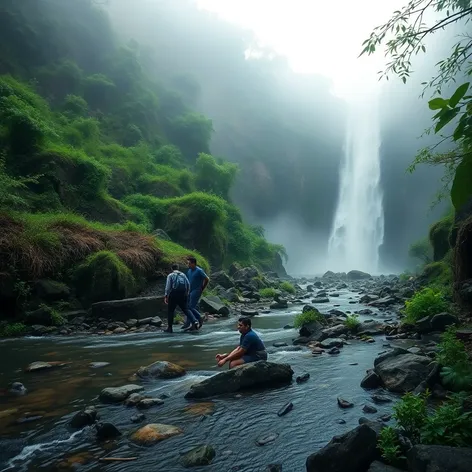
<point>176,294</point>
<point>250,349</point>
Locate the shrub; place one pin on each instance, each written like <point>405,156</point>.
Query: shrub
<point>308,317</point>
<point>104,276</point>
<point>287,287</point>
<point>215,177</point>
<point>75,105</point>
<point>421,250</point>
<point>268,292</point>
<point>13,330</point>
<point>352,322</point>
<point>411,415</point>
<point>389,445</point>
<point>426,302</point>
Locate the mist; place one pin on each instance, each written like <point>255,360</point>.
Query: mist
<point>287,129</point>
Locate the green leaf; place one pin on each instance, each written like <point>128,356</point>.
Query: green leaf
<point>458,94</point>
<point>446,117</point>
<point>461,189</point>
<point>437,103</point>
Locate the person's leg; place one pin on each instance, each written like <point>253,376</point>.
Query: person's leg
<point>170,312</point>
<point>236,362</point>
<point>183,304</point>
<point>193,302</point>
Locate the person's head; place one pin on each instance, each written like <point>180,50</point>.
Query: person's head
<point>192,262</point>
<point>175,266</point>
<point>244,324</point>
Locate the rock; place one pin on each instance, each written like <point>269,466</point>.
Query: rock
<point>120,310</point>
<point>137,418</point>
<point>302,378</point>
<point>344,403</point>
<point>155,321</point>
<point>268,438</point>
<point>383,302</point>
<point>332,342</point>
<point>214,306</point>
<point>133,399</point>
<point>153,433</point>
<point>378,466</point>
<point>334,331</point>
<point>422,458</point>
<point>369,409</point>
<point>371,381</point>
<point>320,300</point>
<point>119,394</point>
<point>274,468</point>
<point>234,268</point>
<point>246,274</point>
<point>385,418</point>
<point>358,275</point>
<point>119,331</point>
<point>98,365</point>
<point>279,305</point>
<point>131,323</point>
<point>106,431</point>
<point>333,351</point>
<point>222,278</point>
<point>423,325</point>
<point>311,330</point>
<point>317,351</point>
<point>249,313</point>
<point>161,370</point>
<point>147,403</point>
<point>84,418</point>
<point>329,275</point>
<point>354,451</point>
<point>51,291</point>
<point>17,389</point>
<point>441,321</point>
<point>387,355</point>
<point>285,409</point>
<point>256,374</point>
<point>198,456</point>
<point>380,399</point>
<point>405,372</point>
<point>280,344</point>
<point>40,365</point>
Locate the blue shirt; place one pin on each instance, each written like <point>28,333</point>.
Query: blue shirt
<point>196,278</point>
<point>251,343</point>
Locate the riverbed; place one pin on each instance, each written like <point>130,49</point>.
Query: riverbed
<point>35,434</point>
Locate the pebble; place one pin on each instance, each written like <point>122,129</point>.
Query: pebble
<point>344,403</point>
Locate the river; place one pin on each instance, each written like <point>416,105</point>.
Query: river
<point>230,424</point>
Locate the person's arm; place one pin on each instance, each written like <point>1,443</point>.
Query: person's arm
<point>205,280</point>
<point>187,285</point>
<point>234,354</point>
<point>167,290</point>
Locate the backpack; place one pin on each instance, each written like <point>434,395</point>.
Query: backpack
<point>179,284</point>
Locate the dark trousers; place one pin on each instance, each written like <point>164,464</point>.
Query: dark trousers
<point>180,300</point>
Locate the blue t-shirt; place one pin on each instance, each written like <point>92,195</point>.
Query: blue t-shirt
<point>251,342</point>
<point>196,278</point>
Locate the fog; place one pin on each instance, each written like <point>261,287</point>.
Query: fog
<point>276,78</point>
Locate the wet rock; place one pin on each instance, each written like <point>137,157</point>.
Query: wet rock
<point>119,394</point>
<point>84,418</point>
<point>341,421</point>
<point>441,321</point>
<point>385,418</point>
<point>335,331</point>
<point>222,278</point>
<point>249,313</point>
<point>214,305</point>
<point>311,330</point>
<point>155,321</point>
<point>120,310</point>
<point>28,419</point>
<point>369,409</point>
<point>131,323</point>
<point>387,355</point>
<point>351,452</point>
<point>147,403</point>
<point>378,466</point>
<point>405,372</point>
<point>358,275</point>
<point>285,409</point>
<point>344,403</point>
<point>161,370</point>
<point>320,300</point>
<point>137,418</point>
<point>134,399</point>
<point>17,389</point>
<point>423,325</point>
<point>371,381</point>
<point>414,350</point>
<point>280,344</point>
<point>98,365</point>
<point>333,351</point>
<point>383,302</point>
<point>302,378</point>
<point>439,458</point>
<point>267,439</point>
<point>380,399</point>
<point>106,431</point>
<point>153,433</point>
<point>257,374</point>
<point>274,468</point>
<point>40,365</point>
<point>278,305</point>
<point>119,331</point>
<point>198,456</point>
<point>301,340</point>
<point>332,342</point>
<point>318,351</point>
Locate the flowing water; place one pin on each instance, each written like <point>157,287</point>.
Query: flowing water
<point>358,227</point>
<point>231,424</point>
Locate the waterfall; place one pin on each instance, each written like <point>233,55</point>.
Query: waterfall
<point>358,227</point>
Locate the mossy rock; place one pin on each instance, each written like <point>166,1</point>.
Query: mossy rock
<point>104,276</point>
<point>439,236</point>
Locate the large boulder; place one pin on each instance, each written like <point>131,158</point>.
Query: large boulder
<point>119,394</point>
<point>222,278</point>
<point>214,306</point>
<point>245,275</point>
<point>334,331</point>
<point>154,433</point>
<point>51,291</point>
<point>441,321</point>
<point>403,373</point>
<point>137,308</point>
<point>198,456</point>
<point>354,451</point>
<point>161,370</point>
<point>246,377</point>
<point>378,466</point>
<point>312,330</point>
<point>358,275</point>
<point>439,459</point>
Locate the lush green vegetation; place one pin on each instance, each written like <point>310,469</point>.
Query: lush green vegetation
<point>427,302</point>
<point>307,317</point>
<point>352,322</point>
<point>95,157</point>
<point>287,287</point>
<point>268,292</point>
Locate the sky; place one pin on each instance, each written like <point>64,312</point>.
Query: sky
<point>317,36</point>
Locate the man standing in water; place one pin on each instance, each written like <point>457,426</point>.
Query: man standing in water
<point>176,295</point>
<point>198,282</point>
<point>250,349</point>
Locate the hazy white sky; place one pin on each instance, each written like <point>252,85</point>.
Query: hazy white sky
<point>317,36</point>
